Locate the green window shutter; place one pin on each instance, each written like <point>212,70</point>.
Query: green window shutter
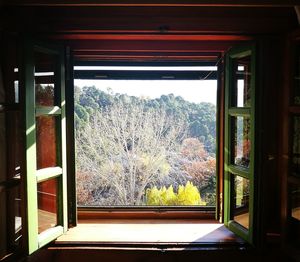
<point>45,178</point>
<point>239,151</point>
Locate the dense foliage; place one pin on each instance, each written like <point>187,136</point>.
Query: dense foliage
<point>128,146</point>
<point>200,117</point>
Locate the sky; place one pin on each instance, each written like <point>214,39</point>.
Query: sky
<point>195,91</point>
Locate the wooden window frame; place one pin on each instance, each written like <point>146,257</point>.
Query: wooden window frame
<point>232,170</point>
<point>289,225</point>
<point>32,240</point>
<point>211,213</point>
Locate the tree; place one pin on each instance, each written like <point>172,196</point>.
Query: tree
<point>201,167</point>
<point>115,120</point>
<point>124,149</point>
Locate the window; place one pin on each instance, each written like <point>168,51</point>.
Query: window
<point>291,181</point>
<point>147,140</point>
<point>45,144</point>
<point>10,152</point>
<point>239,141</point>
<point>45,179</point>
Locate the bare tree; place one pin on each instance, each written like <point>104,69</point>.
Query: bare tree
<point>124,149</point>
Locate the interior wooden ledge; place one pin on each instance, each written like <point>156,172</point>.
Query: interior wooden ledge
<point>139,233</point>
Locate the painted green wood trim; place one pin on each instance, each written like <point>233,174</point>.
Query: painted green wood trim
<point>229,112</point>
<point>218,210</point>
<point>239,171</point>
<point>240,52</point>
<point>48,173</point>
<point>30,183</point>
<point>227,151</point>
<point>239,230</point>
<point>34,176</point>
<point>58,130</point>
<point>253,132</point>
<point>41,48</point>
<point>49,235</point>
<point>239,111</point>
<point>47,110</point>
<point>64,193</point>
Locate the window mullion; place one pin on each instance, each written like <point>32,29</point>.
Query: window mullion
<point>30,125</point>
<point>48,173</point>
<point>48,110</point>
<point>239,111</point>
<point>243,172</point>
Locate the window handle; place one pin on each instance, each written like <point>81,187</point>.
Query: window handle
<point>271,157</point>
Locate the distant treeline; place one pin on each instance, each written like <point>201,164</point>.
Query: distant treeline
<point>201,117</point>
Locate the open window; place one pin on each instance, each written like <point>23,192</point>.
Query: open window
<point>239,140</point>
<point>290,165</point>
<point>146,137</point>
<point>45,164</point>
<point>45,182</point>
<point>239,150</point>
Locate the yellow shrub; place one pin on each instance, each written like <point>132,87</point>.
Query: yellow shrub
<point>168,196</point>
<point>153,196</point>
<point>187,195</point>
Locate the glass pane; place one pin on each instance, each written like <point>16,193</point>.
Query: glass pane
<point>241,93</point>
<point>241,201</point>
<point>46,144</point>
<point>16,87</point>
<point>18,218</point>
<point>296,146</point>
<point>297,76</point>
<point>149,146</point>
<point>47,204</point>
<point>15,148</point>
<point>241,141</point>
<point>3,147</point>
<point>15,214</point>
<point>45,79</point>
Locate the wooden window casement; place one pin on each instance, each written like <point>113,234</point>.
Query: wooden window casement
<point>10,151</point>
<point>168,71</point>
<point>48,203</point>
<point>239,150</point>
<point>45,167</point>
<point>290,148</point>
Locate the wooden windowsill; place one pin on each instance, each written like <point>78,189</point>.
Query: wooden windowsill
<point>207,213</point>
<point>143,233</point>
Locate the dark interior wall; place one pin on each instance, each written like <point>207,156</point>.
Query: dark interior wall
<point>143,20</point>
<point>126,33</point>
<point>94,254</point>
<point>2,165</point>
<point>270,82</point>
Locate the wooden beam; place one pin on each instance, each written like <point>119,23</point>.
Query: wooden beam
<point>149,21</point>
<point>154,47</point>
<point>153,37</point>
<point>213,3</point>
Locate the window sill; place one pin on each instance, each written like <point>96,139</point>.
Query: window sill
<point>153,234</point>
<point>88,213</point>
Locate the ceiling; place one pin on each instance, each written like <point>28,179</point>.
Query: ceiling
<point>143,30</point>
